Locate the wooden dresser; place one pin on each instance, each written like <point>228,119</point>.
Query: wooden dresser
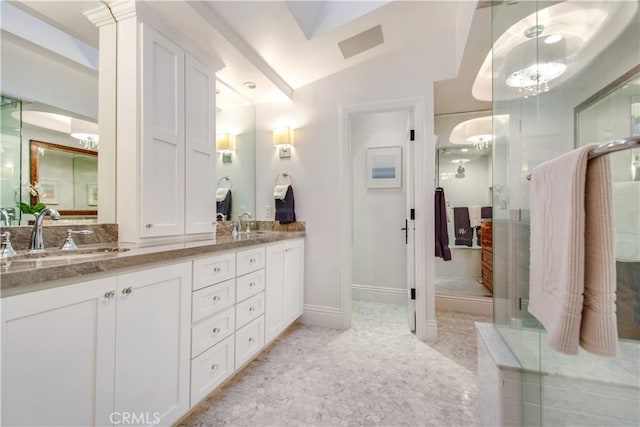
<point>486,229</point>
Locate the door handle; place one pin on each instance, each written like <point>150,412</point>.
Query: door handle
<point>406,231</point>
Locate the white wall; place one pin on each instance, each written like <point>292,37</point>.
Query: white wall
<point>378,246</point>
<point>315,160</point>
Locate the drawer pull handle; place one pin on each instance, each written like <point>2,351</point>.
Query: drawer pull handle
<point>215,330</point>
<point>251,339</point>
<point>252,309</point>
<point>216,269</point>
<point>149,225</point>
<point>214,367</point>
<point>127,291</point>
<point>216,298</point>
<point>252,284</point>
<point>252,260</point>
<point>109,295</point>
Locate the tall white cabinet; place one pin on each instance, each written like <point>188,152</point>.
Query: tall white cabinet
<point>166,159</point>
<point>284,286</point>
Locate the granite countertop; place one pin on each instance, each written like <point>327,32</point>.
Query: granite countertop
<point>31,274</point>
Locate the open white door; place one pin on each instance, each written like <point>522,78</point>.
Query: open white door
<point>410,224</point>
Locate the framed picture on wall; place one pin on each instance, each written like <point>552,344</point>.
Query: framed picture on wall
<point>49,192</point>
<point>384,167</point>
<point>92,194</point>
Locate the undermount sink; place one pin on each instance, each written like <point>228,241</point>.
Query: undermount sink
<point>57,254</point>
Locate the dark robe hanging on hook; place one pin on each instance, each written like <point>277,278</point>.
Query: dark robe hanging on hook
<point>442,234</point>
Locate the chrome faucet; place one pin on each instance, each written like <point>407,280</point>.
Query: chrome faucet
<point>36,243</point>
<point>248,215</point>
<point>221,215</point>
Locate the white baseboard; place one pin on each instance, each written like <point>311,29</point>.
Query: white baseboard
<point>481,306</point>
<point>432,332</point>
<point>319,315</point>
<point>379,294</point>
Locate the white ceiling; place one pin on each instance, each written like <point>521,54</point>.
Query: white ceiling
<point>264,41</point>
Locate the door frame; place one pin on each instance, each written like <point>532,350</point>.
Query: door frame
<point>424,155</point>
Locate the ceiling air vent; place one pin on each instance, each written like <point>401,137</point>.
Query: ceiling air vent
<point>360,42</point>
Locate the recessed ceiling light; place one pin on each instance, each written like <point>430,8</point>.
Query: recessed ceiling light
<point>553,39</point>
<point>534,31</point>
<point>249,85</point>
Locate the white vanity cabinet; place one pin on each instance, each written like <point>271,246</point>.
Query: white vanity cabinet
<point>284,286</point>
<point>58,349</point>
<point>77,354</point>
<point>178,130</point>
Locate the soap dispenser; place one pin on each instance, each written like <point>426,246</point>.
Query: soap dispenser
<point>234,232</point>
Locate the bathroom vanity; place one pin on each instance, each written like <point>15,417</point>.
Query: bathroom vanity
<point>145,332</point>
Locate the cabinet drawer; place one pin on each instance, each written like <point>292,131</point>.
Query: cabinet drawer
<point>249,341</point>
<point>249,285</point>
<point>487,258</point>
<point>487,279</point>
<point>211,368</point>
<point>212,299</point>
<point>213,330</point>
<point>212,270</point>
<point>250,260</point>
<point>249,309</point>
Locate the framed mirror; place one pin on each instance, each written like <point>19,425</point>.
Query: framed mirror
<point>67,178</point>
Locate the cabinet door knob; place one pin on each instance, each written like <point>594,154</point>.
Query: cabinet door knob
<point>127,291</point>
<point>149,225</point>
<point>252,260</point>
<point>251,339</point>
<point>216,269</point>
<point>214,367</point>
<point>252,284</point>
<point>216,298</point>
<point>109,295</point>
<point>215,330</point>
<point>252,309</point>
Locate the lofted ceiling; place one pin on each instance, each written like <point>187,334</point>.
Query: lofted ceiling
<point>283,45</point>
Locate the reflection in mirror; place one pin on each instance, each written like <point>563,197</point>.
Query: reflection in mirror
<point>49,66</point>
<point>10,161</point>
<point>67,178</point>
<point>464,171</point>
<point>235,161</point>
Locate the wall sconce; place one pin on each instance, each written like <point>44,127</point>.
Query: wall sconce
<point>226,143</point>
<point>283,139</point>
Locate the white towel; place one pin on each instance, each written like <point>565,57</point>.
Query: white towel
<point>572,292</point>
<point>221,194</point>
<point>280,191</point>
<point>475,216</point>
<point>626,209</point>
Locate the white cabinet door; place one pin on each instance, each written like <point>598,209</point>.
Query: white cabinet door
<point>200,207</point>
<point>58,347</point>
<point>294,280</point>
<point>153,343</point>
<point>163,138</point>
<point>274,291</point>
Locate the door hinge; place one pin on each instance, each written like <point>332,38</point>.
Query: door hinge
<point>412,135</point>
<point>413,293</point>
<point>520,304</point>
<point>412,214</point>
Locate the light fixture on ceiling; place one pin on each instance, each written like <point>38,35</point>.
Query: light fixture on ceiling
<point>249,85</point>
<point>534,31</point>
<point>283,139</point>
<point>535,78</point>
<point>478,132</point>
<point>85,132</point>
<point>226,144</point>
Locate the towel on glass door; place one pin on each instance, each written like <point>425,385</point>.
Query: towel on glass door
<point>224,206</point>
<point>442,234</point>
<point>463,232</point>
<point>572,290</point>
<point>286,208</point>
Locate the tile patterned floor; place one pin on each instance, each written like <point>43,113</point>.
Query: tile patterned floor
<point>375,374</point>
<point>461,286</point>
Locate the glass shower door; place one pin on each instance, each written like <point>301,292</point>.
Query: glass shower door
<point>10,159</point>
